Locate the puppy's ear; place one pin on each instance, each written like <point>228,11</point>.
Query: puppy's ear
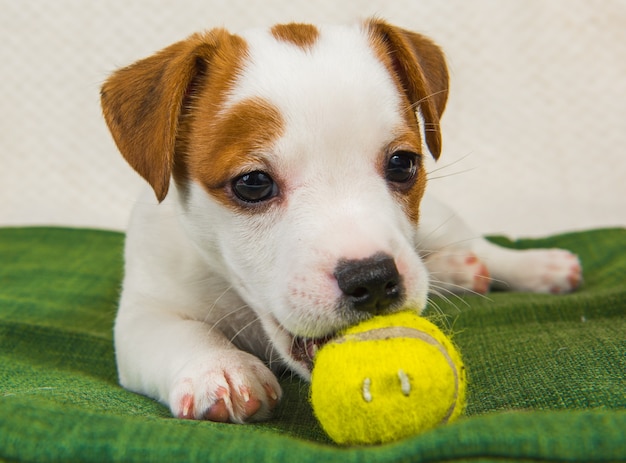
<point>421,69</point>
<point>143,103</point>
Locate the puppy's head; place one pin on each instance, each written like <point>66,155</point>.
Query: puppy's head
<point>297,157</point>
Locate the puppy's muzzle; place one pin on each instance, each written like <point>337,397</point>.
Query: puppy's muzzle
<point>370,285</point>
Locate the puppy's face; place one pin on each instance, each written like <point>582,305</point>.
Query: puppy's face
<point>297,154</point>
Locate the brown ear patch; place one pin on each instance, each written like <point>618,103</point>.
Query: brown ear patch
<point>420,71</point>
<point>301,35</point>
<point>144,104</point>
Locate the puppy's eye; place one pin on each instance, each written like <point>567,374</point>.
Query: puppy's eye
<point>401,167</point>
<point>254,187</point>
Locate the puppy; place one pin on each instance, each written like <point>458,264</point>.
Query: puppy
<point>286,174</point>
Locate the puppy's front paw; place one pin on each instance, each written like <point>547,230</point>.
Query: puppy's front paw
<point>232,386</point>
<point>458,271</point>
<point>553,271</point>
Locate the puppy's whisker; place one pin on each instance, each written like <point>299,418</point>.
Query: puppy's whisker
<point>452,174</point>
<point>451,244</point>
<point>215,324</point>
<point>445,222</point>
<point>452,272</point>
<point>416,105</point>
<point>465,290</point>
<point>439,314</point>
<point>270,351</point>
<point>430,303</point>
<point>216,301</point>
<point>439,292</point>
<point>243,328</point>
<point>433,231</point>
<point>447,166</point>
<point>426,253</point>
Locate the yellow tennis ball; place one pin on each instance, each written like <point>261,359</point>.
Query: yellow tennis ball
<point>387,378</point>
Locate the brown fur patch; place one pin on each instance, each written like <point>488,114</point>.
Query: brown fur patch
<point>224,146</point>
<point>412,196</point>
<point>148,105</point>
<point>419,70</point>
<point>301,35</point>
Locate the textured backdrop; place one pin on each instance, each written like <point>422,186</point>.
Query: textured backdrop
<point>535,129</point>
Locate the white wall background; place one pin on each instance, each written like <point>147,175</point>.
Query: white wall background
<point>535,130</point>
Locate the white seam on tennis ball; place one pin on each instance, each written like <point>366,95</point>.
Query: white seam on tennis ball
<point>367,394</point>
<point>405,382</point>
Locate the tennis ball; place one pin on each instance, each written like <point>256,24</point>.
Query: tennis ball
<point>387,378</point>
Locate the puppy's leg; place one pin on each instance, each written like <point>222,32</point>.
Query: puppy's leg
<point>191,368</point>
<point>553,271</point>
<point>168,340</point>
<point>459,260</point>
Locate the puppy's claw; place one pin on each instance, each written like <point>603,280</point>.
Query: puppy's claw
<point>187,409</point>
<point>251,404</point>
<point>272,396</point>
<point>244,392</point>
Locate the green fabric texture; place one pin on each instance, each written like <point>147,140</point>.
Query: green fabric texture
<point>547,374</point>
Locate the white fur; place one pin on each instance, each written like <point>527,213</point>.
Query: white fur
<point>212,298</point>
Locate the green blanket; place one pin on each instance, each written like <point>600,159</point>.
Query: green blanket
<point>547,373</point>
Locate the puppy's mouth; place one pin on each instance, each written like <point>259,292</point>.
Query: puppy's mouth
<point>303,350</point>
<point>297,351</point>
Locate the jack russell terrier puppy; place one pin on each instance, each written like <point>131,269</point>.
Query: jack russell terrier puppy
<point>287,166</point>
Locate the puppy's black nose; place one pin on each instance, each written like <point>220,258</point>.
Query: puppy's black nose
<point>371,284</point>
